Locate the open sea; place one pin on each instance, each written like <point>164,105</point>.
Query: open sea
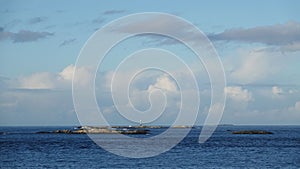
<point>21,147</point>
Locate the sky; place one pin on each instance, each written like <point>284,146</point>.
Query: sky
<point>258,44</point>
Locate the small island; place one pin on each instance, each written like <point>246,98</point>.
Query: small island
<point>97,130</point>
<point>139,129</point>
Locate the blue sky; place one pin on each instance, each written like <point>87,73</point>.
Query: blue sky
<point>258,43</point>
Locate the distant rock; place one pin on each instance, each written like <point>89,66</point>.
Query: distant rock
<point>63,131</point>
<point>110,131</point>
<point>252,132</point>
<point>56,131</point>
<point>96,130</point>
<point>135,132</point>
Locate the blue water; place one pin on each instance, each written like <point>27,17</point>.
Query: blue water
<point>22,148</point>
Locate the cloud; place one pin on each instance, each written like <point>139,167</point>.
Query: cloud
<point>67,73</point>
<point>29,36</point>
<point>163,83</point>
<point>112,12</point>
<point>291,47</point>
<point>42,98</point>
<point>98,20</point>
<point>237,93</point>
<point>37,107</point>
<point>67,42</point>
<point>60,80</point>
<point>141,89</point>
<point>4,35</point>
<point>279,34</point>
<point>36,20</point>
<point>23,35</point>
<point>284,36</point>
<point>45,98</point>
<point>43,80</point>
<point>297,106</point>
<point>263,108</point>
<point>277,90</point>
<point>255,66</point>
<point>161,24</point>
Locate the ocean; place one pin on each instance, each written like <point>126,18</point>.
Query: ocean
<point>21,147</point>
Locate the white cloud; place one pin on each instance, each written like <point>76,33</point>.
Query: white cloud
<point>297,106</point>
<point>241,107</point>
<point>140,97</point>
<point>60,80</point>
<point>82,76</point>
<point>164,83</point>
<point>67,73</point>
<point>291,91</point>
<point>47,80</point>
<point>237,93</point>
<point>255,66</point>
<point>43,80</point>
<point>261,65</point>
<point>277,90</point>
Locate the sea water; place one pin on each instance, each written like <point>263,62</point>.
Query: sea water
<point>21,147</point>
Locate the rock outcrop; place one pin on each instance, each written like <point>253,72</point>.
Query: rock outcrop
<point>97,130</point>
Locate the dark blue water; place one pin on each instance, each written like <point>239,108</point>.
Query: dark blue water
<point>21,148</point>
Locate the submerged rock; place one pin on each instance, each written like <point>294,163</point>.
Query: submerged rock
<point>252,132</point>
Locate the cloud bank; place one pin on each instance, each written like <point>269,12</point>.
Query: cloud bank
<point>286,36</point>
<point>279,34</point>
<point>23,35</point>
<point>46,94</point>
